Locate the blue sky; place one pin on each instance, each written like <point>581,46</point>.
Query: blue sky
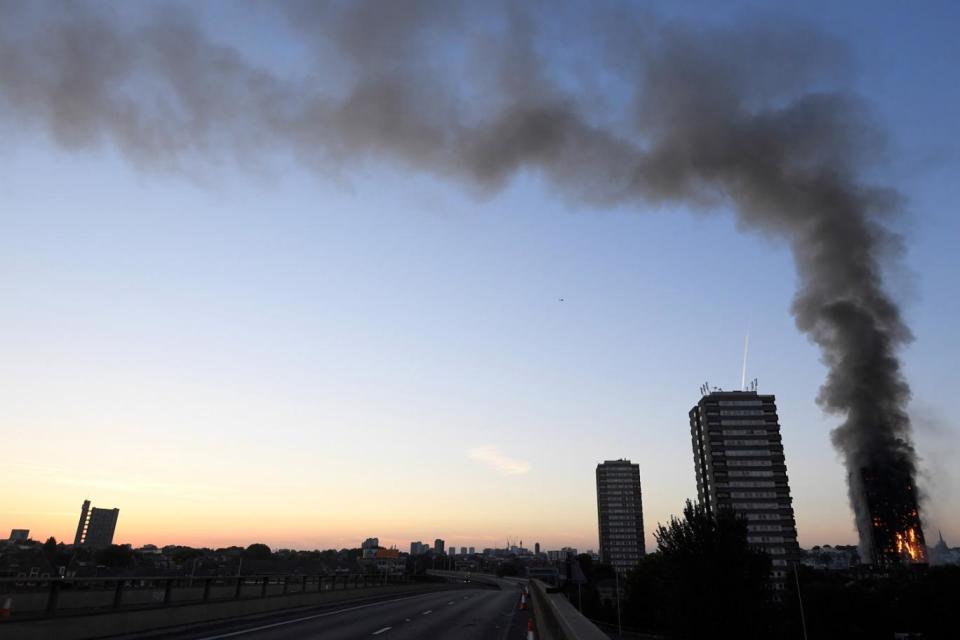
<point>332,351</point>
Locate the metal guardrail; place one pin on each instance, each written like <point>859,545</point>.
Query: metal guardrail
<point>51,596</point>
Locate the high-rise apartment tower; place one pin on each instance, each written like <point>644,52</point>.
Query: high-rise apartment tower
<point>738,456</point>
<point>620,514</point>
<point>96,526</point>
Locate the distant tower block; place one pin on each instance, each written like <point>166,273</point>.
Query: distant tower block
<point>96,526</point>
<point>620,514</point>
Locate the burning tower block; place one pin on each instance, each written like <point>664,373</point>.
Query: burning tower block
<point>893,534</point>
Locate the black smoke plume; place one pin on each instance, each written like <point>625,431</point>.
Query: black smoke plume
<point>608,106</point>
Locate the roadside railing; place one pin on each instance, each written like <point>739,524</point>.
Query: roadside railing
<point>557,619</point>
<point>52,596</point>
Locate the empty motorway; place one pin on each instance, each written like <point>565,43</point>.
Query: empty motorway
<point>460,613</point>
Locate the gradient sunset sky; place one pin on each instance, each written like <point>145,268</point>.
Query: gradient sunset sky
<point>274,353</point>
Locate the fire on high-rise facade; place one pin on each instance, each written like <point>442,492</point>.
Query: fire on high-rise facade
<point>894,534</point>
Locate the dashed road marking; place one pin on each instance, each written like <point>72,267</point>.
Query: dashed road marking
<point>384,630</point>
<point>305,618</point>
<point>428,612</point>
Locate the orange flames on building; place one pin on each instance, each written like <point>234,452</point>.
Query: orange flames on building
<point>908,546</point>
<point>895,535</point>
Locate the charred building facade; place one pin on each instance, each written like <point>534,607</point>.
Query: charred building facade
<point>738,457</point>
<point>893,534</point>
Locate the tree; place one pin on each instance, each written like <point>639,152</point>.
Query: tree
<point>53,554</point>
<point>257,551</point>
<point>704,579</point>
<point>115,556</point>
<point>183,555</point>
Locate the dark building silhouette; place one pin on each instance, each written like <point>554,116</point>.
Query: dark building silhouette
<point>96,526</point>
<point>438,545</point>
<point>418,548</point>
<point>738,457</point>
<point>620,514</point>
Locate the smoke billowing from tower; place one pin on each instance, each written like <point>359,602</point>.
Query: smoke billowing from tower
<point>609,108</point>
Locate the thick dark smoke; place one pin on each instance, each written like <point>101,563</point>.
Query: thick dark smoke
<point>641,112</point>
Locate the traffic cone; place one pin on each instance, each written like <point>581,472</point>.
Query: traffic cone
<point>7,606</point>
<point>530,629</point>
<point>523,602</point>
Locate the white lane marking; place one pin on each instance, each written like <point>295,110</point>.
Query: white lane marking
<point>313,617</point>
<point>384,630</point>
<point>406,619</point>
<point>428,612</point>
<point>451,602</point>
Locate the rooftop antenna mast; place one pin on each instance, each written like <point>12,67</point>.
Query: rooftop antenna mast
<point>743,370</point>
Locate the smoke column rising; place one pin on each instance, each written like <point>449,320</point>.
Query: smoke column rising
<point>609,108</point>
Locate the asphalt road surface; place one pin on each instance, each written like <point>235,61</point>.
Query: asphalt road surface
<point>456,614</point>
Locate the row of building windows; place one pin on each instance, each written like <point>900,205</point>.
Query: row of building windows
<point>745,443</point>
<point>740,403</point>
<point>762,516</point>
<point>756,539</point>
<point>748,452</point>
<point>744,423</point>
<point>750,463</point>
<point>766,473</point>
<point>753,494</point>
<point>741,412</point>
<point>745,432</point>
<point>753,484</point>
<point>758,505</point>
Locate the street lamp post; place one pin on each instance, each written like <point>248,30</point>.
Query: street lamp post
<point>619,623</point>
<point>803,618</point>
